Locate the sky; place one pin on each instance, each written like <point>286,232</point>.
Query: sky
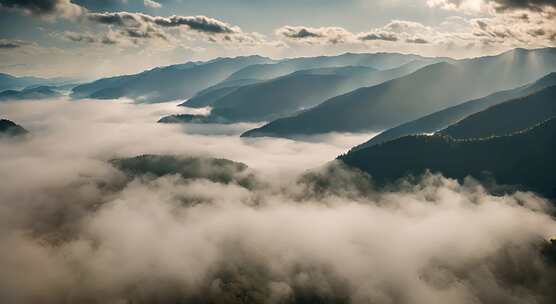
<point>96,38</point>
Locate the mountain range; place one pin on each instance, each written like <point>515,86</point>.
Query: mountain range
<point>183,81</point>
<point>282,96</point>
<point>41,92</point>
<point>208,96</point>
<point>168,83</point>
<point>439,120</point>
<point>214,169</point>
<point>510,145</point>
<point>430,89</point>
<point>9,82</point>
<point>380,61</point>
<point>507,117</point>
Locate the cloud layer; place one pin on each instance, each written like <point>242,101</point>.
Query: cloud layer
<point>45,8</point>
<point>329,235</point>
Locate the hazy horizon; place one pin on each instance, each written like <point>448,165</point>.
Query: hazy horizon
<point>46,38</point>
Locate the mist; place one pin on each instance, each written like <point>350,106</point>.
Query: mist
<point>76,228</point>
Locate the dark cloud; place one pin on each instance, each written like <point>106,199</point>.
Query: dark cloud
<point>379,36</point>
<point>34,6</point>
<point>117,18</point>
<point>482,24</point>
<point>108,40</point>
<point>80,37</point>
<point>322,35</point>
<point>56,8</point>
<point>537,32</point>
<point>197,23</point>
<point>300,33</point>
<point>143,26</point>
<point>501,5</point>
<point>525,4</point>
<point>12,44</point>
<point>417,40</point>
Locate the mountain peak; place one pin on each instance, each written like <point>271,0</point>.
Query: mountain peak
<point>10,128</point>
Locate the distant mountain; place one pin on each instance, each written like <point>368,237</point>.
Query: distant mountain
<point>33,93</point>
<point>9,82</point>
<point>303,89</point>
<point>380,61</point>
<point>444,118</point>
<point>166,83</point>
<point>210,95</point>
<point>190,118</point>
<point>213,169</point>
<point>426,91</point>
<point>507,117</point>
<point>523,160</point>
<point>11,129</point>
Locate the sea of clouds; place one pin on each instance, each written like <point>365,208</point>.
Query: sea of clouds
<point>74,228</point>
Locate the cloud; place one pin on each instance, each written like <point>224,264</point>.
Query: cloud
<point>107,39</point>
<point>12,43</point>
<point>416,40</point>
<point>45,8</point>
<point>514,29</point>
<point>328,235</point>
<point>403,26</point>
<point>396,31</point>
<point>325,35</point>
<point>174,30</point>
<point>300,32</point>
<point>80,37</point>
<point>492,34</point>
<point>152,4</point>
<point>133,28</point>
<point>500,5</point>
<point>526,4</point>
<point>196,23</point>
<point>379,35</point>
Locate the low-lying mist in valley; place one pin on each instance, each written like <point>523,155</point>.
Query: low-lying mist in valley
<point>291,227</point>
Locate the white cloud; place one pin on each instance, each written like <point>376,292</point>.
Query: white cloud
<point>97,236</point>
<point>152,4</point>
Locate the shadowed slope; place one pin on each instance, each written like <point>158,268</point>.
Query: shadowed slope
<point>444,118</point>
<point>524,160</point>
<point>421,93</point>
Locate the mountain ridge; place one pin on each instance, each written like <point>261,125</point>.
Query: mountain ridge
<point>421,93</point>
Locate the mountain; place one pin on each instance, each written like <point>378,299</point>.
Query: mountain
<point>523,160</point>
<point>303,89</point>
<point>166,83</point>
<point>41,92</point>
<point>380,61</point>
<point>443,118</point>
<point>423,92</point>
<point>11,129</point>
<point>208,96</point>
<point>190,118</point>
<point>9,82</point>
<point>213,169</point>
<point>260,72</point>
<point>507,117</point>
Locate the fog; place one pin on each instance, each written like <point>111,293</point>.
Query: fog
<point>74,228</point>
